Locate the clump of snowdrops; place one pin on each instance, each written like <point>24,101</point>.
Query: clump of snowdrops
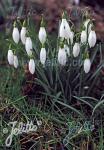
<point>69,44</point>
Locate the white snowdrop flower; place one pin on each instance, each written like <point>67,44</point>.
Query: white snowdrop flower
<point>62,58</point>
<point>23,35</point>
<point>67,49</point>
<point>43,55</point>
<point>76,49</point>
<point>42,35</point>
<point>64,31</point>
<point>28,46</point>
<point>32,66</point>
<point>15,35</point>
<point>10,57</point>
<point>83,37</point>
<point>15,63</point>
<point>87,65</point>
<point>86,25</point>
<point>92,39</point>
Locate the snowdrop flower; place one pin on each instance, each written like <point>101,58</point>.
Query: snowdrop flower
<point>32,66</point>
<point>83,37</point>
<point>64,30</point>
<point>92,39</point>
<point>42,35</point>
<point>62,58</point>
<point>10,57</point>
<point>76,49</point>
<point>43,55</point>
<point>15,62</point>
<point>28,46</point>
<point>67,49</point>
<point>23,35</point>
<point>87,65</point>
<point>15,35</point>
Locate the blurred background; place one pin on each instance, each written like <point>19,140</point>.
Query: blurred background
<point>52,10</point>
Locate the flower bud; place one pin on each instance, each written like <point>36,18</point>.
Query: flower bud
<point>43,55</point>
<point>83,37</point>
<point>87,65</point>
<point>10,57</point>
<point>92,39</point>
<point>23,35</point>
<point>32,66</point>
<point>15,61</point>
<point>76,49</point>
<point>64,31</point>
<point>15,35</point>
<point>62,57</point>
<point>28,46</point>
<point>42,35</point>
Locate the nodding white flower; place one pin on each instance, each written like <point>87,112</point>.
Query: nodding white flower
<point>32,66</point>
<point>87,65</point>
<point>15,35</point>
<point>28,46</point>
<point>43,55</point>
<point>83,37</point>
<point>67,50</point>
<point>42,35</point>
<point>92,39</point>
<point>64,31</point>
<point>15,61</point>
<point>76,49</point>
<point>86,25</point>
<point>62,58</point>
<point>23,35</point>
<point>10,57</point>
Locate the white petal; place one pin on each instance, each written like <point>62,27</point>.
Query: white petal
<point>15,35</point>
<point>43,55</point>
<point>15,61</point>
<point>76,49</point>
<point>83,37</point>
<point>42,35</point>
<point>10,57</point>
<point>28,46</point>
<point>23,35</point>
<point>62,57</point>
<point>87,65</point>
<point>32,66</point>
<point>64,31</point>
<point>92,39</point>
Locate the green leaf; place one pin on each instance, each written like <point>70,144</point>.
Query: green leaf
<point>98,105</point>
